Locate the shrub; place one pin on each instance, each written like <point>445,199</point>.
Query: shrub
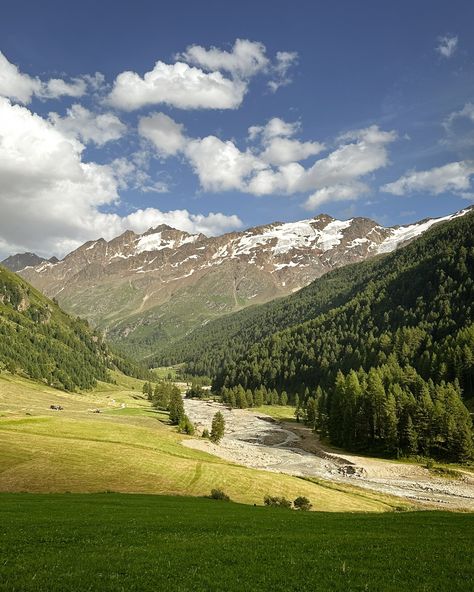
<point>205,433</point>
<point>276,501</point>
<point>302,503</point>
<point>218,494</point>
<point>186,426</point>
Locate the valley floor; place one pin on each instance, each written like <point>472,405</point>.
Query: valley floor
<point>128,447</point>
<point>256,440</point>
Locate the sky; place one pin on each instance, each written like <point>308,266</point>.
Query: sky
<point>214,116</point>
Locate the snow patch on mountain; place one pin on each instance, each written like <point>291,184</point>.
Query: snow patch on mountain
<point>402,234</point>
<point>292,235</point>
<point>156,242</point>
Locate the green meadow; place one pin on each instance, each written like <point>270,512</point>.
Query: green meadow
<point>113,542</point>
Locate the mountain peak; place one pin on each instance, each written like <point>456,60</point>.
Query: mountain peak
<point>22,260</point>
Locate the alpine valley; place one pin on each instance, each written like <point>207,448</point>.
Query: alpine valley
<point>148,290</point>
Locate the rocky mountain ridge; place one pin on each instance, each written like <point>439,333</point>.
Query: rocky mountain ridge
<point>158,285</point>
<point>21,260</point>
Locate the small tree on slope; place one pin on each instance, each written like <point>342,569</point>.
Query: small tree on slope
<point>217,428</point>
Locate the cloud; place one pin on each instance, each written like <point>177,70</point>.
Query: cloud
<point>196,79</point>
<point>467,112</point>
<point>365,153</point>
<point>52,201</point>
<point>274,128</point>
<point>246,59</point>
<point>452,177</point>
<point>86,126</point>
<point>279,149</point>
<point>447,45</point>
<point>284,61</point>
<point>15,85</point>
<point>273,164</point>
<point>56,87</point>
<point>341,192</point>
<point>163,132</point>
<point>211,224</point>
<point>360,153</point>
<point>177,85</point>
<point>21,87</point>
<point>220,165</point>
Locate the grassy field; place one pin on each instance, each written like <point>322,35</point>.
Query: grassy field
<point>129,448</point>
<point>281,412</point>
<point>112,542</point>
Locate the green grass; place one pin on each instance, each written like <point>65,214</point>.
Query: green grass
<point>281,412</point>
<point>138,543</point>
<point>167,372</point>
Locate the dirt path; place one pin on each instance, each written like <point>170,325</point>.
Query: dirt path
<point>258,441</point>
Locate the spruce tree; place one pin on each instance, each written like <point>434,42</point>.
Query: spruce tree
<point>217,428</point>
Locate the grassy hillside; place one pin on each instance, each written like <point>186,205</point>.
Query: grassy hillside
<point>64,543</point>
<point>40,341</point>
<point>129,449</point>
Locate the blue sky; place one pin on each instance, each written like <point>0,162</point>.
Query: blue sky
<point>350,108</point>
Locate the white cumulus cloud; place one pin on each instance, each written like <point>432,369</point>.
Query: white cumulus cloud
<point>81,123</point>
<point>165,134</point>
<point>246,59</point>
<point>220,165</point>
<point>52,201</point>
<point>21,87</point>
<point>339,192</point>
<point>178,85</point>
<point>452,177</point>
<point>279,147</point>
<point>273,165</point>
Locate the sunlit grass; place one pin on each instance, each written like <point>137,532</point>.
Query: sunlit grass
<point>112,542</point>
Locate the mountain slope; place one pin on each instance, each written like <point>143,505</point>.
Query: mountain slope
<point>149,290</point>
<point>385,368</point>
<point>210,348</point>
<point>40,341</point>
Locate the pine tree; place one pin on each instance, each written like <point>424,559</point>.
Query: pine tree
<point>176,408</point>
<point>217,428</point>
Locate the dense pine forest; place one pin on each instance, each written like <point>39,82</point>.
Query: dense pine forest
<point>40,341</point>
<point>380,354</point>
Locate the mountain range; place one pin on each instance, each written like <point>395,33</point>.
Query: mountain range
<point>148,290</point>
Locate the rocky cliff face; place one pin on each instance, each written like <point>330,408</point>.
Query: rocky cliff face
<point>161,284</point>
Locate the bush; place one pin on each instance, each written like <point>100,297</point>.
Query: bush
<point>218,494</point>
<point>276,501</point>
<point>302,503</point>
<point>196,392</point>
<point>205,433</point>
<point>186,426</point>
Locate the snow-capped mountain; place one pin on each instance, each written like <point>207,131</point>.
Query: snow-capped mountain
<point>21,260</point>
<point>163,283</point>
